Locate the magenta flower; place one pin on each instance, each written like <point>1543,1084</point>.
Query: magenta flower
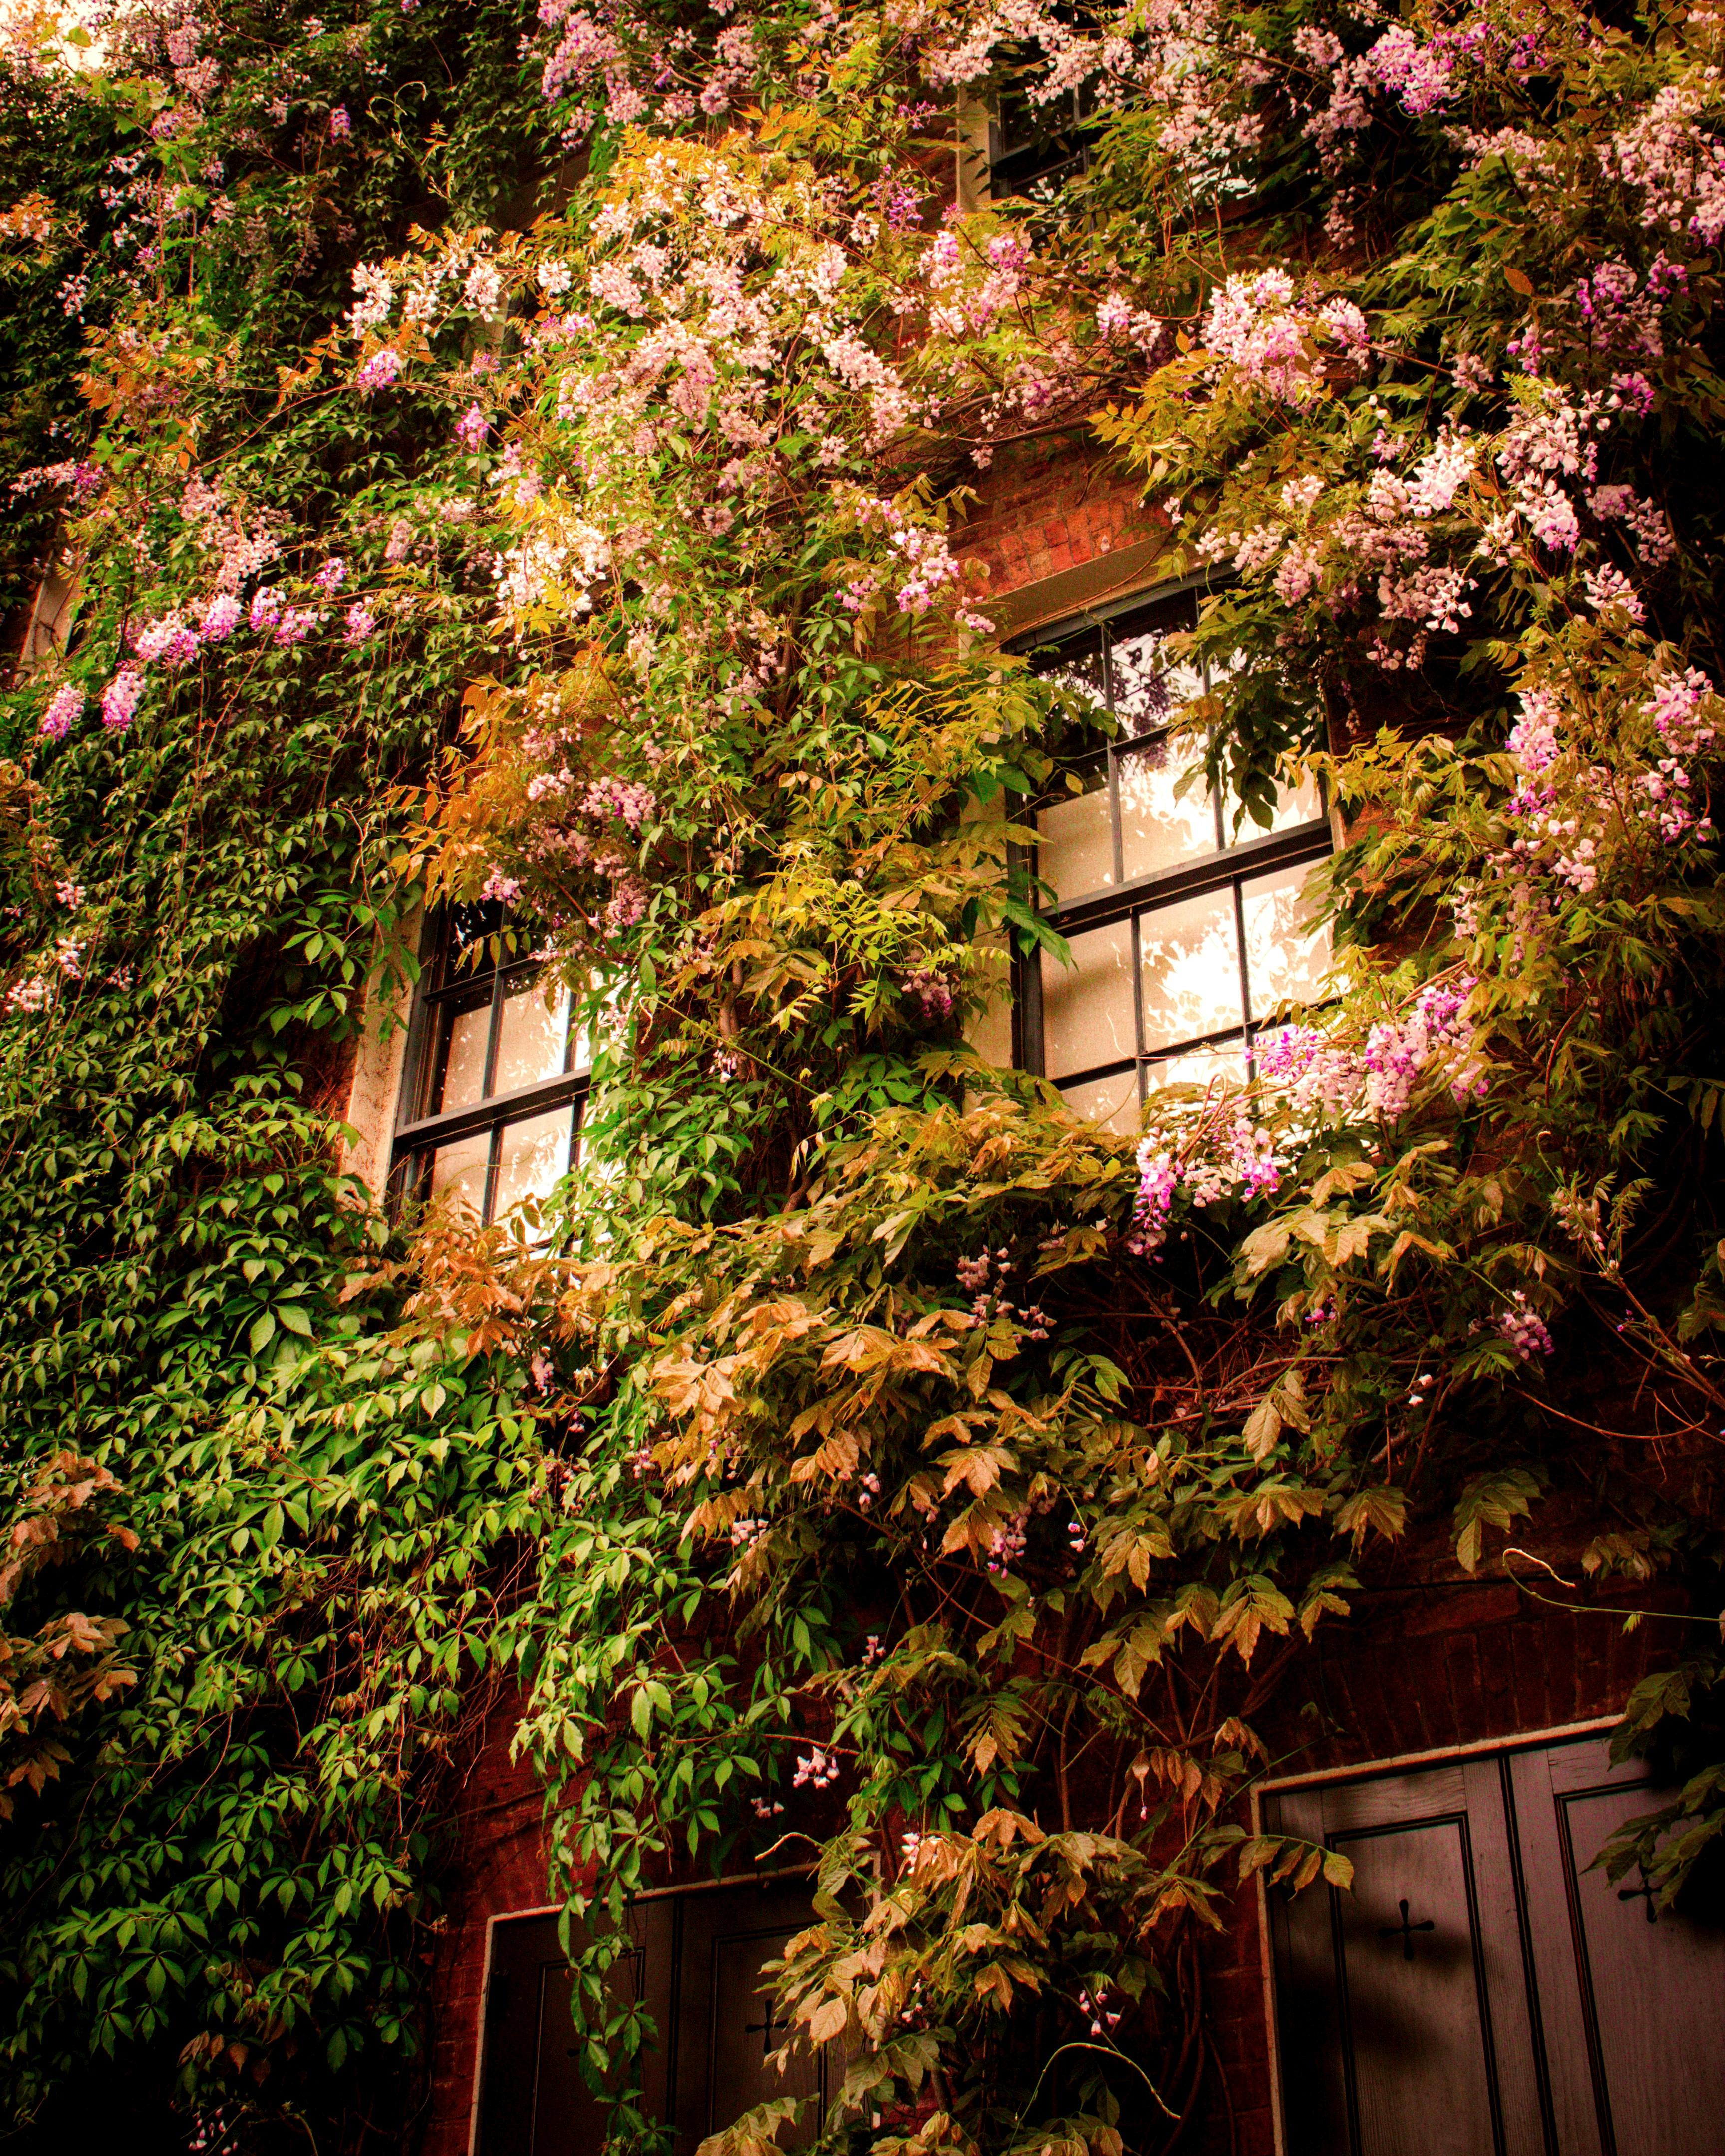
<point>362,623</point>
<point>221,618</point>
<point>57,720</point>
<point>472,427</point>
<point>120,699</point>
<point>379,370</point>
<point>168,641</point>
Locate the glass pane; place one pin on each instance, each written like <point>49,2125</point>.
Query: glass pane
<point>459,1069</point>
<point>1077,852</point>
<point>1158,831</point>
<point>1077,665</point>
<point>1287,960</point>
<point>532,1158</point>
<point>1088,1007</point>
<point>531,1037</point>
<point>1295,805</point>
<point>1224,1063</point>
<point>1149,687</point>
<point>461,1168</point>
<point>1112,1102</point>
<point>1190,957</point>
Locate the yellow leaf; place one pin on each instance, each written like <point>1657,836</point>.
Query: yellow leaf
<point>827,2021</point>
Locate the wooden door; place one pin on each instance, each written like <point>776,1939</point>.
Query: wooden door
<point>697,1962</point>
<point>1482,1988</point>
<point>727,2026</point>
<point>1404,2011</point>
<point>1634,1998</point>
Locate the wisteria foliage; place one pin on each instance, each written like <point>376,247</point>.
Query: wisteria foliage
<point>879,1464</point>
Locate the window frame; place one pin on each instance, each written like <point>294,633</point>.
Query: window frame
<point>419,1135</point>
<point>1046,153</point>
<point>1231,867</point>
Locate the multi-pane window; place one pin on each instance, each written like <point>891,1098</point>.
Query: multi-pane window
<point>1185,923</point>
<point>1033,148</point>
<point>495,1077</point>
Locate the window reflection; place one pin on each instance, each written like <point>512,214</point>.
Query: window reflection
<point>1146,686</point>
<point>465,1031</point>
<point>532,1037</point>
<point>1286,958</point>
<point>1075,852</point>
<point>1294,805</point>
<point>532,1158</point>
<point>1111,1102</point>
<point>491,1116</point>
<point>1088,1007</point>
<point>1225,1062</point>
<point>1184,942</point>
<point>1160,824</point>
<point>1189,969</point>
<point>460,1168</point>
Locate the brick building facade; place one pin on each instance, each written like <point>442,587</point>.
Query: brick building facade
<point>1434,1667</point>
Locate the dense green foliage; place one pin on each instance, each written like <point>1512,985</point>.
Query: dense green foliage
<point>867,1425</point>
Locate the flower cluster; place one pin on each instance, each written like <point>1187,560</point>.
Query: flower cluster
<point>983,1279</point>
<point>817,1768</point>
<point>1522,1326</point>
<point>1228,1156</point>
<point>1327,1074</point>
<point>1275,340</point>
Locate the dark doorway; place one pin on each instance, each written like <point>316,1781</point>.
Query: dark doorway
<point>1483,1991</point>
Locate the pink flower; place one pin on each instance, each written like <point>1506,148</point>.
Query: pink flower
<point>266,605</point>
<point>57,720</point>
<point>168,642</point>
<point>120,699</point>
<point>221,618</point>
<point>379,370</point>
<point>294,625</point>
<point>471,428</point>
<point>331,576</point>
<point>360,622</point>
<point>1420,73</point>
<point>1607,586</point>
<point>1522,1326</point>
<point>340,124</point>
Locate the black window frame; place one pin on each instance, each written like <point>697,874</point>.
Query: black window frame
<point>503,969</point>
<point>1029,144</point>
<point>1231,866</point>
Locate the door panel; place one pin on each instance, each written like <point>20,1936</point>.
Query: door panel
<point>695,1962</point>
<point>1482,1988</point>
<point>1635,2009</point>
<point>727,2028</point>
<point>1413,1995</point>
<point>1405,2031</point>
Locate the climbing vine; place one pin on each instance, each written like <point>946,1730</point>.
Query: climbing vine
<point>523,462</point>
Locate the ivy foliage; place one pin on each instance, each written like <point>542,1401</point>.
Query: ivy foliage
<point>528,461</point>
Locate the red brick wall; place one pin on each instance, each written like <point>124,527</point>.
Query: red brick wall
<point>499,1867</point>
<point>1046,508</point>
